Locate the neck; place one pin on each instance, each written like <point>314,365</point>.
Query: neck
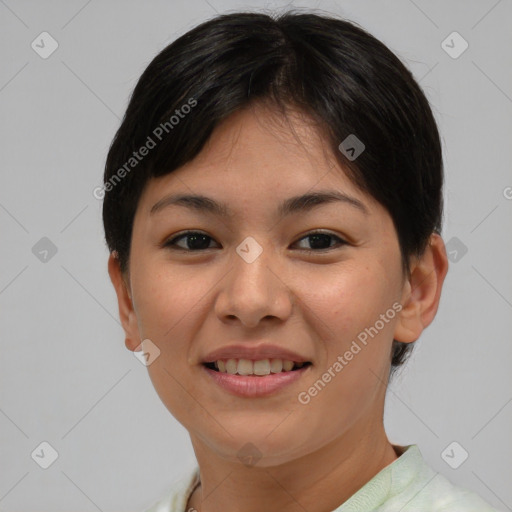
<point>341,468</point>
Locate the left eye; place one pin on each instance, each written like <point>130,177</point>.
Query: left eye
<point>196,241</point>
<point>321,240</point>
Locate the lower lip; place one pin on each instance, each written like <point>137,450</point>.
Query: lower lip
<point>255,386</point>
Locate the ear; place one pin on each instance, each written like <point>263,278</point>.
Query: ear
<point>422,291</point>
<point>124,300</point>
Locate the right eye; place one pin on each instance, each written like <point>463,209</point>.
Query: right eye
<point>194,241</point>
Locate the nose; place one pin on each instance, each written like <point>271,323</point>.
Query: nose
<point>253,292</point>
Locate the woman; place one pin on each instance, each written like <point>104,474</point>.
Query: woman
<point>273,205</point>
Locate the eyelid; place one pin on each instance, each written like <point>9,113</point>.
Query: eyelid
<point>340,240</point>
<point>170,243</point>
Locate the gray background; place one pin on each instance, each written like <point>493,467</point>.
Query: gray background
<point>65,375</point>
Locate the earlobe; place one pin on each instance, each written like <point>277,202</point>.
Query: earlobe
<point>422,291</point>
<point>125,304</point>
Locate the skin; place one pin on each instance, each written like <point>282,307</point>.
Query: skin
<point>314,301</point>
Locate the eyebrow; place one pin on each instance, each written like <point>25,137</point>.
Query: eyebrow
<point>302,203</point>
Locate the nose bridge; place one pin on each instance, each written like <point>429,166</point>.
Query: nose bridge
<point>252,290</point>
<point>251,274</point>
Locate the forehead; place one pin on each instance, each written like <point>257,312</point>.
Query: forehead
<point>259,153</point>
<point>259,126</point>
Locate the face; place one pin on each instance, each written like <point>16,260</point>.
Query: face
<point>311,281</point>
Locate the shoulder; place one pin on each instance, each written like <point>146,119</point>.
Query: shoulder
<point>177,494</point>
<point>422,489</point>
<point>448,497</point>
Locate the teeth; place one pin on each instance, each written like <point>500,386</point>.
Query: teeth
<point>287,365</point>
<point>260,367</point>
<point>276,365</point>
<point>231,366</point>
<point>245,367</point>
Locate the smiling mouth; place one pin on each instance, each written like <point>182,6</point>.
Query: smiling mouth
<point>260,368</point>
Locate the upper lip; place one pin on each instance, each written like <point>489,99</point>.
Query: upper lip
<point>254,352</point>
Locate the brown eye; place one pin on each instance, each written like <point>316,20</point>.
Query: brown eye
<point>193,241</point>
<point>322,241</point>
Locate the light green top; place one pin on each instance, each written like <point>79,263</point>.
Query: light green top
<point>408,484</point>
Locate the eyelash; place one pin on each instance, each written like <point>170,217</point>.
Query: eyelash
<point>171,243</point>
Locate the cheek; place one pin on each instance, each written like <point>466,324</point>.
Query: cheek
<point>352,311</point>
<point>347,308</point>
<point>170,306</point>
<point>165,298</point>
<point>350,300</point>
